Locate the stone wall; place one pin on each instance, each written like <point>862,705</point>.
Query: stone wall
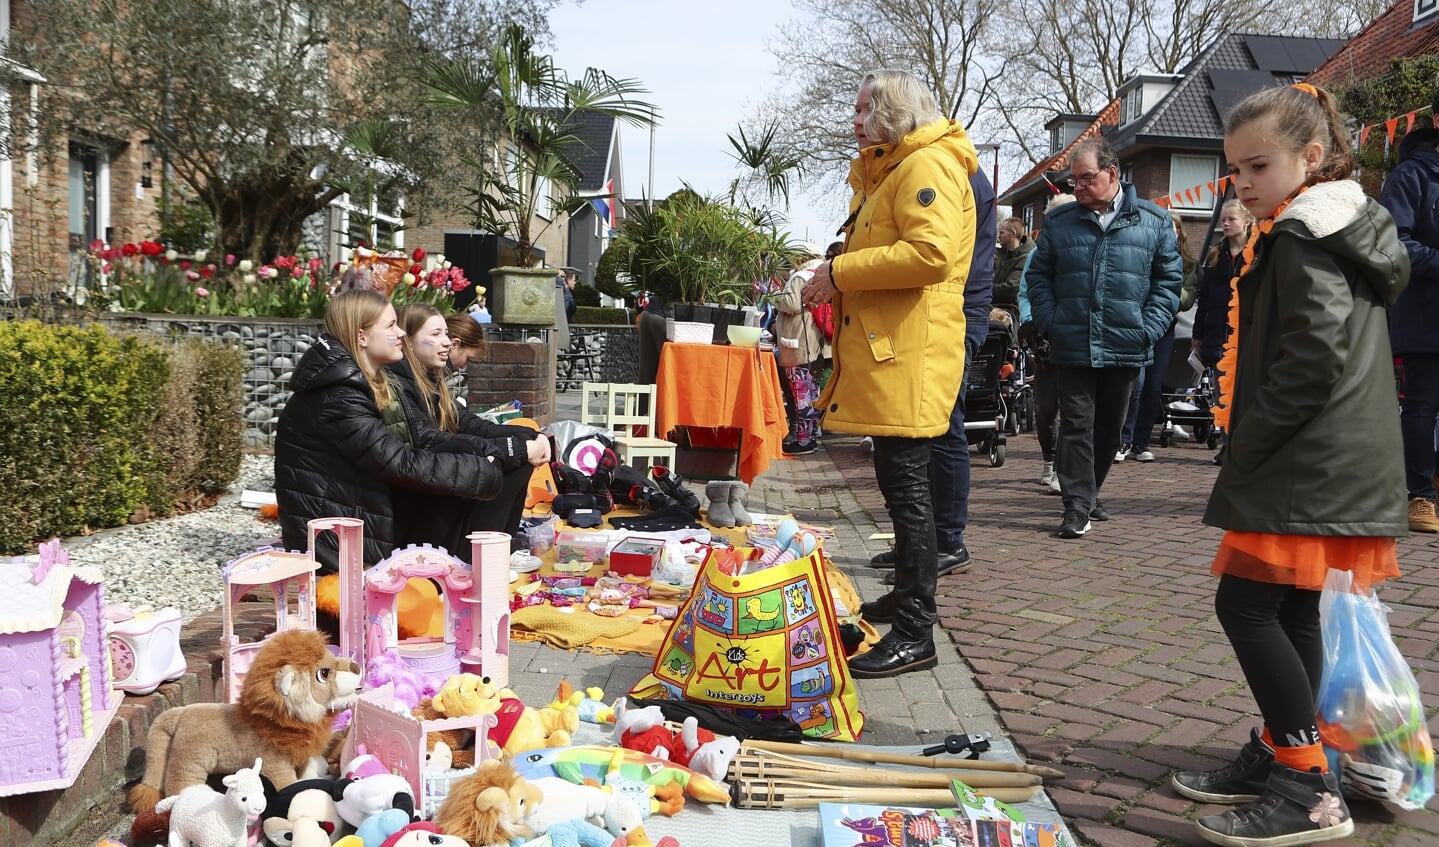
<point>522,370</point>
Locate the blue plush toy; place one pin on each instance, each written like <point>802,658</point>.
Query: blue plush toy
<point>577,833</point>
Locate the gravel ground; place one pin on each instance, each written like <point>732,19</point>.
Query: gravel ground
<point>176,561</point>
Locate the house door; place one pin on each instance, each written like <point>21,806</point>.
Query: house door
<point>84,211</point>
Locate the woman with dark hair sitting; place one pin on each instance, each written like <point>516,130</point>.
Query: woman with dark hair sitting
<point>446,521</point>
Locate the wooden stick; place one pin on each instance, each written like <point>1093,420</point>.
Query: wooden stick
<point>779,766</point>
<point>789,794</point>
<point>863,754</point>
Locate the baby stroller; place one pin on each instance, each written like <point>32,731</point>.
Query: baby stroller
<point>1190,391</point>
<point>986,408</point>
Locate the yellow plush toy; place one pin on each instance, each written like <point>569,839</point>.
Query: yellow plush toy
<point>590,703</point>
<point>520,727</point>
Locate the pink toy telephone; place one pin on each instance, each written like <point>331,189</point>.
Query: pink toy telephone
<point>144,647</point>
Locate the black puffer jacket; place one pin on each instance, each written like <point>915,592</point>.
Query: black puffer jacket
<point>334,457</point>
<point>505,443</point>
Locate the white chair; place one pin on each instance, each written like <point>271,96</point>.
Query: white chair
<point>623,408</point>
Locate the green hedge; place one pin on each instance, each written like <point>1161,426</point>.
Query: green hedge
<point>600,315</point>
<point>94,427</point>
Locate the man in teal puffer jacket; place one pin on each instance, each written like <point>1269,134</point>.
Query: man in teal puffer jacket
<point>1103,285</point>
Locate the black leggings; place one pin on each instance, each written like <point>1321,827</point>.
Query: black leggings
<point>1275,633</point>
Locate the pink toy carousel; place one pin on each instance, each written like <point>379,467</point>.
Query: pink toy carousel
<point>290,578</point>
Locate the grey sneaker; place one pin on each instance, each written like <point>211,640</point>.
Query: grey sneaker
<point>1046,476</point>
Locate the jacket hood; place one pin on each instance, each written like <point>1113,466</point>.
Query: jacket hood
<point>324,364</point>
<point>1339,218</point>
<point>1421,143</point>
<point>946,136</point>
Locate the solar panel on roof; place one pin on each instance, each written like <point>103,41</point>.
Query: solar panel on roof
<point>1269,53</point>
<point>1225,100</point>
<point>1224,79</point>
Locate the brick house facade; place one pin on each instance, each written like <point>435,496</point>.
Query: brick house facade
<point>1167,130</point>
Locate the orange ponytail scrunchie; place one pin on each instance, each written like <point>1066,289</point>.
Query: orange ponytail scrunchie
<point>1307,89</point>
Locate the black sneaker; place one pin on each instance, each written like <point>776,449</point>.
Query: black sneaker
<point>795,447</point>
<point>1296,808</point>
<point>1098,512</point>
<point>1074,525</point>
<point>884,560</point>
<point>1241,781</point>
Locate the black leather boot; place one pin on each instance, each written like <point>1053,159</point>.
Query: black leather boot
<point>879,611</point>
<point>892,656</point>
<point>651,499</point>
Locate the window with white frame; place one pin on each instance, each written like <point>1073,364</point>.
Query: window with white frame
<point>377,220</point>
<point>1192,172</point>
<point>1056,138</point>
<point>1132,106</point>
<point>1028,215</point>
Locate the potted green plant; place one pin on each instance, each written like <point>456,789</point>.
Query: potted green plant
<point>527,178</point>
<point>703,255</point>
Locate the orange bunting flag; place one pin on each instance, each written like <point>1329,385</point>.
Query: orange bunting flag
<point>1189,196</point>
<point>1211,189</point>
<point>1364,135</point>
<point>1410,117</point>
<point>1390,126</point>
<point>1162,201</point>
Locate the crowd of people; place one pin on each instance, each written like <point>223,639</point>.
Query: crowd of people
<point>1291,310</point>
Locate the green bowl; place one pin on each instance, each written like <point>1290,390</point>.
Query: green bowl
<point>743,336</point>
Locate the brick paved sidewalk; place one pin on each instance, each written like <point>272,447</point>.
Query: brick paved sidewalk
<point>1103,654</point>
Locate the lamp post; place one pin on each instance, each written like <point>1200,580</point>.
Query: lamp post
<point>993,147</point>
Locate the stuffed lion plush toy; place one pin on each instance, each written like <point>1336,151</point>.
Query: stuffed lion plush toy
<point>491,807</point>
<point>287,703</point>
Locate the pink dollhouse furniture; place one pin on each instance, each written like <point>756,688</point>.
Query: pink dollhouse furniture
<point>55,692</point>
<point>476,608</point>
<point>290,577</point>
<point>397,739</point>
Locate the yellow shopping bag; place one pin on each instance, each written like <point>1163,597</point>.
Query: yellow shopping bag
<point>761,643</point>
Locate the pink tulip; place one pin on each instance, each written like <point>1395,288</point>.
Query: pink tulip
<point>229,258</point>
<point>192,275</point>
<point>201,292</point>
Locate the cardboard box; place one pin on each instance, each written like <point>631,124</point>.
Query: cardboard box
<point>637,556</point>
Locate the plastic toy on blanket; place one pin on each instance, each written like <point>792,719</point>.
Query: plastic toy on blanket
<point>790,543</point>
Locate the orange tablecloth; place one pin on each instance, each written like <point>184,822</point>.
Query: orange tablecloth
<point>714,385</point>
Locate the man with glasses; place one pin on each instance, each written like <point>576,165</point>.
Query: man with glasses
<point>1103,286</point>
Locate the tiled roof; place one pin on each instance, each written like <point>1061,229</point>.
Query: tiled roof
<point>1233,66</point>
<point>1108,116</point>
<point>1392,35</point>
<point>595,132</point>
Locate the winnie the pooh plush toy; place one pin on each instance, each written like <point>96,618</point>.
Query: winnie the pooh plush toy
<point>520,727</point>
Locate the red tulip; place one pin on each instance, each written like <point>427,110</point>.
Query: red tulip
<point>418,255</point>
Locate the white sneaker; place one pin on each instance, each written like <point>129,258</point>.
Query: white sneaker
<point>1179,433</point>
<point>1054,485</point>
<point>1144,456</point>
<point>1047,476</point>
<point>1122,454</point>
<point>867,443</point>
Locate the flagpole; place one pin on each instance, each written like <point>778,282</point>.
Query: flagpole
<point>650,195</point>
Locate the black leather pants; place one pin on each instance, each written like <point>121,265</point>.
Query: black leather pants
<point>901,466</point>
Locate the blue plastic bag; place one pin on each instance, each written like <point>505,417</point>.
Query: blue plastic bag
<point>1370,718</point>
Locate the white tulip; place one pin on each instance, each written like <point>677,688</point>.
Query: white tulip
<point>246,266</point>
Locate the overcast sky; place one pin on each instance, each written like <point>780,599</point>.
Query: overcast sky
<point>705,65</point>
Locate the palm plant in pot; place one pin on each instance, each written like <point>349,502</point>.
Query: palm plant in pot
<point>526,178</point>
<point>701,255</point>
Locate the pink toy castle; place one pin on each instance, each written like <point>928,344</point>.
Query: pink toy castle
<point>55,684</point>
<point>476,608</point>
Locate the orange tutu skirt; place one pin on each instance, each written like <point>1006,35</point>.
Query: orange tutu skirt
<point>1303,560</point>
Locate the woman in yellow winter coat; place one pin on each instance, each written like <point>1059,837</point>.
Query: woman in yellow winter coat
<point>898,294</point>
